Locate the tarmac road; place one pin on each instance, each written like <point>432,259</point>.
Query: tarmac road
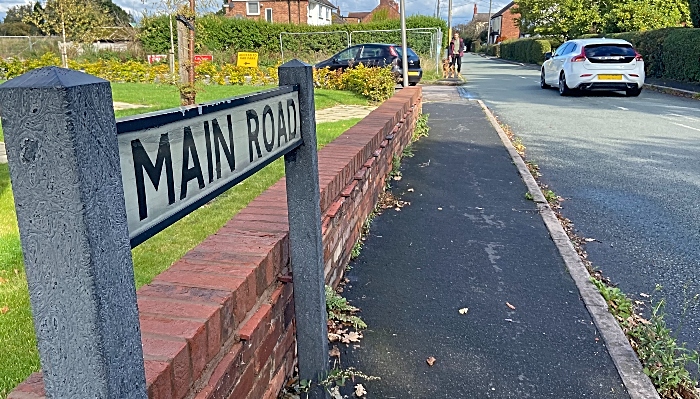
<point>629,169</point>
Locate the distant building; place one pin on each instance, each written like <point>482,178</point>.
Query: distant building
<point>387,8</point>
<point>504,24</point>
<point>300,12</point>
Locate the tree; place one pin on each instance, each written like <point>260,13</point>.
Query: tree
<point>559,18</point>
<point>72,19</point>
<point>117,15</point>
<point>642,15</point>
<point>568,19</point>
<point>13,24</point>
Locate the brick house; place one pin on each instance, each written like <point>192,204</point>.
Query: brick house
<point>310,12</point>
<point>390,7</point>
<point>504,24</point>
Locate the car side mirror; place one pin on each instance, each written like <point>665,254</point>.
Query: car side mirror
<point>548,55</point>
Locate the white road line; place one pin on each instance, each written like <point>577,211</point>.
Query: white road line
<point>623,108</point>
<point>685,126</point>
<point>690,118</point>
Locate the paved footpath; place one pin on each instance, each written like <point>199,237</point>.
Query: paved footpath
<point>470,239</point>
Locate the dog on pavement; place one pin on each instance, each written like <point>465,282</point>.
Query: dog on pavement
<point>448,69</point>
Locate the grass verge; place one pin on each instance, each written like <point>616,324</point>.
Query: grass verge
<point>20,357</point>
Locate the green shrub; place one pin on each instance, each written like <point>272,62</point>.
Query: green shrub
<point>528,50</point>
<point>376,84</point>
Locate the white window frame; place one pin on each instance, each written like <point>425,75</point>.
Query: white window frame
<point>320,12</point>
<point>247,7</point>
<point>328,14</point>
<point>266,18</point>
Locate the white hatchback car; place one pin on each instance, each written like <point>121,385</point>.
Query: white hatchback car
<point>594,64</point>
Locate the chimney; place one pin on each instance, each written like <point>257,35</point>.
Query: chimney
<point>474,10</point>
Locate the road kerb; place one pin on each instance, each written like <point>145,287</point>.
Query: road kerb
<point>638,384</point>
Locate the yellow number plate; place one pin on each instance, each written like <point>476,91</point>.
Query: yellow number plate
<point>609,77</point>
<point>413,74</point>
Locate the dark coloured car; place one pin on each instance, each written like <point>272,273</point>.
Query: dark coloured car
<point>376,55</point>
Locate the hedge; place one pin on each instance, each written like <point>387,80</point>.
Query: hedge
<point>528,50</point>
<point>222,34</point>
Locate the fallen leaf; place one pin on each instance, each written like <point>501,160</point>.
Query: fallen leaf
<point>397,209</point>
<point>335,393</point>
<point>351,337</point>
<point>4,310</point>
<point>509,320</point>
<point>431,360</point>
<point>360,390</point>
<point>589,239</point>
<point>410,190</point>
<point>510,306</point>
<point>333,337</point>
<point>397,178</point>
<point>463,311</point>
<point>439,209</point>
<point>643,295</point>
<point>334,352</point>
<point>3,280</point>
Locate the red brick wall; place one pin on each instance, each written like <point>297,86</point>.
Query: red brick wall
<point>509,25</point>
<point>280,11</point>
<point>219,323</point>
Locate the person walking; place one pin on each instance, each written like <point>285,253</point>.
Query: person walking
<point>456,52</point>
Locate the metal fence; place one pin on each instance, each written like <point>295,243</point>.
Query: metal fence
<point>27,46</point>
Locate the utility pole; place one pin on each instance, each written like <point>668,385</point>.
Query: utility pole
<point>488,37</point>
<point>191,70</point>
<point>438,8</point>
<point>404,44</point>
<point>449,18</point>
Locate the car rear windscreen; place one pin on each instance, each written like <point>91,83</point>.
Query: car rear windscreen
<point>411,53</point>
<point>610,53</point>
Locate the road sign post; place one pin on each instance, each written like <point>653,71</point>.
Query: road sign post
<point>88,188</point>
<point>64,164</point>
<point>303,203</point>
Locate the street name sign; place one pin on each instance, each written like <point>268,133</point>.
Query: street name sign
<point>175,161</point>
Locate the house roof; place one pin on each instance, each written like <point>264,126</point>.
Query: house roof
<point>359,15</point>
<point>503,10</point>
<point>325,3</point>
<point>481,17</point>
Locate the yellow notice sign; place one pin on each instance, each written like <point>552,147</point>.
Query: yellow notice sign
<point>247,59</point>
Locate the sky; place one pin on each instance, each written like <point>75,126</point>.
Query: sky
<point>462,10</point>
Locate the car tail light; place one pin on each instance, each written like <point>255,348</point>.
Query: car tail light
<point>581,57</point>
<point>393,52</point>
<point>586,75</point>
<point>638,56</point>
<point>634,75</point>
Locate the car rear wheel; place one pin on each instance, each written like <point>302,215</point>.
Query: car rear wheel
<point>564,90</point>
<point>543,84</point>
<point>633,92</point>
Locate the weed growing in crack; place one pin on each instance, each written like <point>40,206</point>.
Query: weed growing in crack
<point>341,311</point>
<point>421,129</point>
<point>408,152</point>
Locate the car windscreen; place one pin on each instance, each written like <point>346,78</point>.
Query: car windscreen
<point>610,53</point>
<point>411,53</point>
